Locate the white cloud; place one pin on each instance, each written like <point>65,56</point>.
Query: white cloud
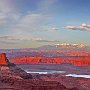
<point>36,21</point>
<point>20,27</point>
<point>8,13</point>
<point>82,27</point>
<point>5,7</point>
<point>9,38</point>
<point>43,40</point>
<point>46,40</point>
<point>2,19</point>
<point>18,23</point>
<point>52,29</point>
<point>31,22</point>
<point>13,38</point>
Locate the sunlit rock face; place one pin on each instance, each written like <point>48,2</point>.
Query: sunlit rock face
<point>10,69</point>
<point>3,59</point>
<point>74,60</point>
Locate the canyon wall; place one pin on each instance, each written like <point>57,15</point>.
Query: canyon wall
<point>79,61</point>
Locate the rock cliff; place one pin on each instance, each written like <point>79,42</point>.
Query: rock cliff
<point>77,60</point>
<point>10,69</point>
<point>3,59</point>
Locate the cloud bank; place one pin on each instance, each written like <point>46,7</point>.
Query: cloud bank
<point>42,40</point>
<point>13,38</point>
<point>82,27</point>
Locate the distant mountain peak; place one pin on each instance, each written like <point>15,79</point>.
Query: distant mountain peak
<point>67,45</point>
<point>64,46</point>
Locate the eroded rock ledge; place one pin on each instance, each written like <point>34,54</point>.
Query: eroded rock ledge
<point>10,69</point>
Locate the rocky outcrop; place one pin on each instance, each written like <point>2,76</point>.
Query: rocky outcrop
<point>54,82</point>
<point>10,69</point>
<point>75,60</point>
<point>34,84</point>
<point>3,59</point>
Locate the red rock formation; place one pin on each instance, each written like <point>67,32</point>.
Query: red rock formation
<point>10,69</point>
<point>79,61</point>
<point>3,59</point>
<point>36,60</point>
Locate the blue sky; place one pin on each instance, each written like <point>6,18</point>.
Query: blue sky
<point>33,23</point>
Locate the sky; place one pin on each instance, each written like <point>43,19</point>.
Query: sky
<point>33,23</point>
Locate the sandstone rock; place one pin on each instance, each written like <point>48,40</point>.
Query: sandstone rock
<point>74,60</point>
<point>10,69</point>
<point>3,59</point>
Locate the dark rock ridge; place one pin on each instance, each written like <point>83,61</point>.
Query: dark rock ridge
<point>10,69</point>
<point>33,84</point>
